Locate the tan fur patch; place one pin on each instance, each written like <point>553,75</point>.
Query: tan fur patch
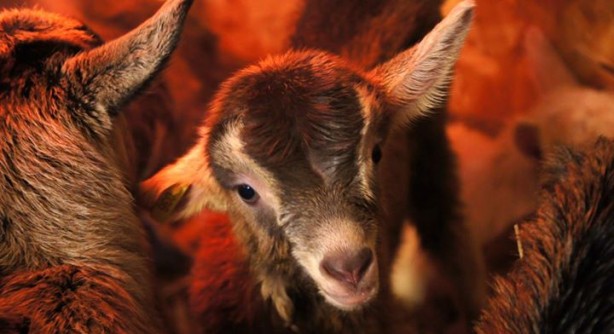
<point>275,289</point>
<point>365,165</point>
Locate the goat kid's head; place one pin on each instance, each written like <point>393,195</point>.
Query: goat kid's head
<point>292,146</point>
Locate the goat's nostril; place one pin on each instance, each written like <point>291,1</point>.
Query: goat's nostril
<point>346,267</point>
<point>363,260</point>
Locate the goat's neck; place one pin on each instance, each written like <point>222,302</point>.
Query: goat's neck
<point>270,261</point>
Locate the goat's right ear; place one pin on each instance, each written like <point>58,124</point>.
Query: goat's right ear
<point>107,76</point>
<point>184,188</point>
<point>417,79</point>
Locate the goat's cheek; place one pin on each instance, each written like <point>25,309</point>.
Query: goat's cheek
<point>306,248</point>
<point>309,261</point>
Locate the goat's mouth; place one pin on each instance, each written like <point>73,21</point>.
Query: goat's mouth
<point>347,279</point>
<point>352,300</point>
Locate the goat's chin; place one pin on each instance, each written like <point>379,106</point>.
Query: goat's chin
<point>350,301</point>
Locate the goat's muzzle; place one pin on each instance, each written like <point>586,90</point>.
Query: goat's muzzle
<point>351,277</point>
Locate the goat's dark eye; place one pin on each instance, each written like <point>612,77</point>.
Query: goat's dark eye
<point>376,155</point>
<point>247,193</point>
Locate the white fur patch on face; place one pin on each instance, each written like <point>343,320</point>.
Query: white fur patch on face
<point>247,170</point>
<point>365,164</point>
<point>365,100</point>
<point>410,269</point>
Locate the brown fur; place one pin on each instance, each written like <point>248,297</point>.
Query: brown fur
<point>63,185</point>
<point>367,32</point>
<point>563,284</point>
<point>222,280</point>
<point>302,129</point>
<point>81,300</point>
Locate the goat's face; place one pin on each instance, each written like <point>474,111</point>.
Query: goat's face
<point>297,146</point>
<point>292,145</point>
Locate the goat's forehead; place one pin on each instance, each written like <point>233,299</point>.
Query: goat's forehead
<point>302,112</point>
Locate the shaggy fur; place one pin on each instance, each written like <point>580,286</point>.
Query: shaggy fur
<point>304,129</point>
<point>63,193</point>
<point>70,299</point>
<point>563,284</point>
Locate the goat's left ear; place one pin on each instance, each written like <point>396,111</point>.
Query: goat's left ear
<point>109,75</point>
<point>417,79</point>
<point>184,188</point>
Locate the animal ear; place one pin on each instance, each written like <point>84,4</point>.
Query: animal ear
<point>417,79</point>
<point>184,188</point>
<point>109,75</point>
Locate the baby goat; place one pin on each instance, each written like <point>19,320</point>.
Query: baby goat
<point>563,284</point>
<point>303,151</point>
<point>72,255</point>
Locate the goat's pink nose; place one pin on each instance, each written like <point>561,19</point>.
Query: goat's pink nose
<point>347,267</point>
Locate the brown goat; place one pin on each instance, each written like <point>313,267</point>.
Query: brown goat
<point>564,281</point>
<point>72,255</point>
<point>291,150</point>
